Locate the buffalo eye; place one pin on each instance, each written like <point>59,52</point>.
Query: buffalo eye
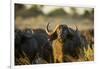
<point>65,31</point>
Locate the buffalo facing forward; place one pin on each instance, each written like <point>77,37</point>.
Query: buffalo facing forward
<point>65,41</point>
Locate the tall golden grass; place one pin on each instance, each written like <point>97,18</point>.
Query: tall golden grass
<point>88,56</point>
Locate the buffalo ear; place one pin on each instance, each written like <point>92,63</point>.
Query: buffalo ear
<point>53,36</point>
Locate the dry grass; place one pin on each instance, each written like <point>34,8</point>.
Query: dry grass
<point>41,21</point>
<point>88,56</point>
<point>23,60</point>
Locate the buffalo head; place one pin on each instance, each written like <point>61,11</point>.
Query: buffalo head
<point>61,32</point>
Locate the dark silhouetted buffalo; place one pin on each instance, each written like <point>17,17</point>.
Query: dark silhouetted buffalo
<point>34,43</point>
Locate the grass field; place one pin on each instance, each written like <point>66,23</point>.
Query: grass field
<point>41,21</point>
<point>89,56</point>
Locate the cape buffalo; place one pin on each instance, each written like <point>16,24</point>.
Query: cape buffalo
<point>66,41</point>
<point>34,43</point>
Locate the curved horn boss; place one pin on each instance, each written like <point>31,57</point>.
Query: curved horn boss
<point>71,32</point>
<point>52,34</point>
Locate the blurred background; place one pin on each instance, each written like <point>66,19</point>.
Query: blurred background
<point>37,16</point>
